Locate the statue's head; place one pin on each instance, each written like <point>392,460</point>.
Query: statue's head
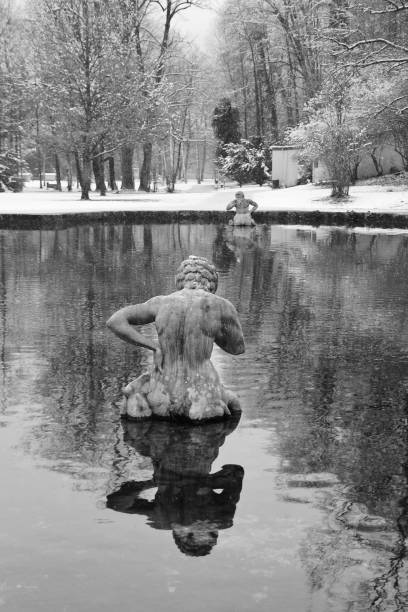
<point>240,195</point>
<point>197,273</point>
<point>197,539</point>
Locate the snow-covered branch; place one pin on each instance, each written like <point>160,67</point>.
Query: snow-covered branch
<point>393,7</point>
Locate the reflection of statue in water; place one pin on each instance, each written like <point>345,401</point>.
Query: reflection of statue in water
<point>241,240</point>
<point>189,500</point>
<point>183,383</point>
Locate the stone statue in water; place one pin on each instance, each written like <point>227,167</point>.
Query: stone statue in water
<point>183,382</point>
<point>243,214</point>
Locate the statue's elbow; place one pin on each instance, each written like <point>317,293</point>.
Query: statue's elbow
<point>110,323</point>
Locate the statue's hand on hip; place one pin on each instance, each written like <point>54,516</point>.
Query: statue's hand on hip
<point>158,360</point>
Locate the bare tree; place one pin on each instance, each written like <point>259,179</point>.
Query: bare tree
<point>169,9</point>
<point>74,52</point>
<point>280,61</point>
<point>16,94</point>
<point>378,36</point>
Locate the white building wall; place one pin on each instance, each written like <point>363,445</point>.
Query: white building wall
<point>388,157</point>
<point>285,166</point>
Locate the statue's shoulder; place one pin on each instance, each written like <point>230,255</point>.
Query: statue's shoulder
<point>156,300</point>
<point>225,305</point>
<point>170,300</point>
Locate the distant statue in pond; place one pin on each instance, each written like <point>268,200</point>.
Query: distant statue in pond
<point>188,500</point>
<point>183,383</point>
<point>243,212</point>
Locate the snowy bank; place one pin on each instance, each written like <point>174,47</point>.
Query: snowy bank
<point>367,205</point>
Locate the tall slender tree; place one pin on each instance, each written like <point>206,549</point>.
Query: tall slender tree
<point>79,60</point>
<point>169,10</point>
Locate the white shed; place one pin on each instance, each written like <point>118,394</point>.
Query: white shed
<point>320,173</point>
<point>285,171</point>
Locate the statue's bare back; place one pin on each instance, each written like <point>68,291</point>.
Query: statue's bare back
<point>184,382</point>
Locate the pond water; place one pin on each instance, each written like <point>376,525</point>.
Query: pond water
<point>300,506</point>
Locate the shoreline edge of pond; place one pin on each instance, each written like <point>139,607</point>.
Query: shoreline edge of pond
<point>313,218</point>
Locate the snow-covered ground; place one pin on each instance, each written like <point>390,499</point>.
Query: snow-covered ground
<point>190,196</point>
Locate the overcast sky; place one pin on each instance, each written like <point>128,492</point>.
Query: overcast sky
<point>197,24</point>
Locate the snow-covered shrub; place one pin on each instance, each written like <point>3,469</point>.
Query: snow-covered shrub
<point>245,162</point>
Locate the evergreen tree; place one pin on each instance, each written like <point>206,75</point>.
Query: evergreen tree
<point>225,123</point>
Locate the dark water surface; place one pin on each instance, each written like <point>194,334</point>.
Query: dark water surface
<point>301,506</point>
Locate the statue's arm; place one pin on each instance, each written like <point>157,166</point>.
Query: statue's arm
<point>122,323</point>
<point>231,205</point>
<point>229,480</point>
<point>254,205</point>
<point>127,499</point>
<point>229,337</point>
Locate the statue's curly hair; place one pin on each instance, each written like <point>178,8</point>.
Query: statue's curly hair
<point>197,273</point>
<point>197,539</point>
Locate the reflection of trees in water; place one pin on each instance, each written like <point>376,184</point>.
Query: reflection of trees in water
<point>3,320</point>
<point>392,585</point>
<point>339,352</point>
<point>79,424</point>
<point>244,252</point>
<point>84,380</point>
<point>222,257</point>
<point>188,500</point>
<point>364,445</point>
<point>352,423</point>
<point>332,339</point>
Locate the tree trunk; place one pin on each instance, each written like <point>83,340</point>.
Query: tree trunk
<point>198,167</point>
<point>37,145</point>
<point>86,176</point>
<point>271,98</point>
<point>128,181</point>
<point>69,175</point>
<point>112,180</point>
<point>178,164</point>
<point>187,151</point>
<point>174,163</point>
<point>354,173</point>
<point>58,172</point>
<point>78,168</point>
<point>146,170</point>
<point>293,108</point>
<point>96,173</point>
<point>244,87</point>
<point>164,162</point>
<point>181,175</point>
<point>102,176</point>
<point>170,184</point>
<point>377,164</point>
<point>339,190</point>
<point>257,92</point>
<point>203,160</point>
<point>40,164</point>
<point>99,174</point>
